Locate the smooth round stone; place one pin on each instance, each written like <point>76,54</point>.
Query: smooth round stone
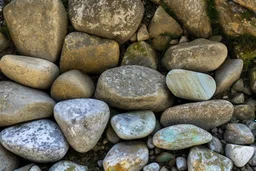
<point>238,133</point>
<point>112,19</point>
<point>207,115</point>
<point>126,156</point>
<point>68,166</point>
<point>72,85</point>
<point>244,112</point>
<point>190,85</point>
<point>20,104</point>
<point>82,121</point>
<point>240,155</point>
<point>38,141</point>
<point>181,163</point>
<point>4,43</point>
<point>8,161</point>
<point>123,87</point>
<point>151,167</point>
<point>204,159</point>
<point>180,136</point>
<point>216,145</point>
<point>29,71</point>
<point>30,167</point>
<point>134,125</point>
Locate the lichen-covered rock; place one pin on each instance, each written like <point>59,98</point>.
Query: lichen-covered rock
<point>140,53</point>
<point>134,87</point>
<point>29,71</point>
<point>39,30</point>
<point>193,15</point>
<point>126,156</point>
<point>195,56</point>
<point>82,121</point>
<point>113,19</point>
<point>71,85</point>
<point>38,141</point>
<point>180,136</point>
<point>68,166</point>
<point>207,115</point>
<point>8,161</point>
<point>88,53</point>
<point>19,104</point>
<point>4,43</point>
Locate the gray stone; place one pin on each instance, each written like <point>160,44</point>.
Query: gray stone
<point>195,56</point>
<point>111,135</point>
<point>127,156</point>
<point>68,165</point>
<point>151,167</point>
<point>43,34</point>
<point>190,85</point>
<point>19,104</point>
<point>123,87</point>
<point>8,161</point>
<point>238,99</point>
<point>252,161</point>
<point>150,142</point>
<point>4,43</point>
<point>38,141</point>
<point>244,112</point>
<point>113,19</point>
<point>142,33</point>
<point>238,85</point>
<point>164,169</point>
<point>82,121</point>
<point>176,137</point>
<point>207,115</point>
<point>134,125</point>
<point>216,145</point>
<point>30,167</point>
<point>183,39</point>
<point>181,163</point>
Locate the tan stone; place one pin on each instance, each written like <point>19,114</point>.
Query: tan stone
<point>89,54</point>
<point>4,43</point>
<point>29,71</point>
<point>37,27</point>
<point>71,85</point>
<point>161,43</point>
<point>250,4</point>
<point>143,33</point>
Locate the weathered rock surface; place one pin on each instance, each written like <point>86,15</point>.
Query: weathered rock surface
<point>135,88</point>
<point>250,4</point>
<point>142,33</point>
<point>190,85</point>
<point>19,104</point>
<point>201,158</point>
<point>180,136</point>
<point>30,167</point>
<point>4,43</point>
<point>134,125</point>
<point>8,161</point>
<point>88,54</point>
<point>38,141</point>
<point>244,112</point>
<point>126,156</point>
<point>29,71</point>
<point>113,19</point>
<point>82,121</point>
<point>71,85</point>
<point>39,30</point>
<point>207,115</point>
<point>195,56</point>
<point>193,15</point>
<point>68,165</point>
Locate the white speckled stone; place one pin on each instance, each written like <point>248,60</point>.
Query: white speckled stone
<point>38,141</point>
<point>152,167</point>
<point>134,125</point>
<point>240,155</point>
<point>68,166</point>
<point>190,85</point>
<point>8,161</point>
<point>82,121</point>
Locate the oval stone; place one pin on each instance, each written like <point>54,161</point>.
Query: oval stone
<point>207,115</point>
<point>190,85</point>
<point>68,166</point>
<point>134,125</point>
<point>180,136</point>
<point>38,141</point>
<point>133,87</point>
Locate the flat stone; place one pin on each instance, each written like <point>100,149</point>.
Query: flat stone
<point>240,155</point>
<point>228,73</point>
<point>82,121</point>
<point>71,85</point>
<point>8,161</point>
<point>142,33</point>
<point>238,133</point>
<point>113,19</point>
<point>195,56</point>
<point>193,15</point>
<point>81,50</point>
<point>140,53</point>
<point>126,156</point>
<point>180,136</point>
<point>250,4</point>
<point>134,125</point>
<point>4,43</point>
<point>30,167</point>
<point>43,34</point>
<point>244,112</point>
<point>68,165</point>
<point>190,85</point>
<point>123,87</point>
<point>29,71</point>
<point>38,141</point>
<point>19,104</point>
<point>163,24</point>
<point>152,167</point>
<point>207,115</point>
<point>216,145</point>
<point>201,158</point>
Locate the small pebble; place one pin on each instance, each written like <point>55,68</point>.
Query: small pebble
<point>164,157</point>
<point>150,142</point>
<point>181,163</point>
<point>238,99</point>
<point>238,85</point>
<point>164,169</point>
<point>183,39</point>
<point>152,167</point>
<point>215,145</point>
<point>100,163</point>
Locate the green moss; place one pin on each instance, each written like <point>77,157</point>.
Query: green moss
<point>213,14</point>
